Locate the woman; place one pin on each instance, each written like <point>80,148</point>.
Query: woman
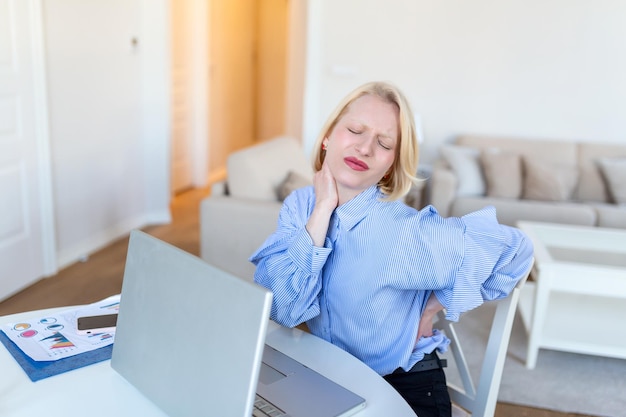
<point>368,273</point>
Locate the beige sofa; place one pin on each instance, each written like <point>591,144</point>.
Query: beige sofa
<point>241,212</point>
<point>539,180</point>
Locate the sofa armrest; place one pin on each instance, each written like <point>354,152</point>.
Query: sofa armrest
<point>231,229</point>
<point>443,188</point>
<point>219,188</point>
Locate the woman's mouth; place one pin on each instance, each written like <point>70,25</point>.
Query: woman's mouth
<point>356,164</point>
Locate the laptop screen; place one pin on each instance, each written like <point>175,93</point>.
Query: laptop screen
<point>189,336</point>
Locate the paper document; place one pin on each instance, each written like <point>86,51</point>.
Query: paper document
<point>54,337</point>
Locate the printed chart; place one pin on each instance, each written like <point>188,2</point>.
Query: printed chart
<point>55,337</point>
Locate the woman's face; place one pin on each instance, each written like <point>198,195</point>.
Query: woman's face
<point>361,148</point>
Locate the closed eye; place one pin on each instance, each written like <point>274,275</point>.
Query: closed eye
<point>384,145</point>
<point>354,131</point>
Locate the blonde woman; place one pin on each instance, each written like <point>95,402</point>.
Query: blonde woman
<point>367,272</point>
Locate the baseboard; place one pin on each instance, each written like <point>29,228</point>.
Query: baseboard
<point>83,249</point>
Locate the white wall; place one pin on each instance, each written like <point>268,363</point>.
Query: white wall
<point>526,68</point>
<point>108,111</point>
<point>539,69</point>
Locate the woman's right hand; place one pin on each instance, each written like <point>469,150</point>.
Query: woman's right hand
<point>326,195</point>
<point>326,200</point>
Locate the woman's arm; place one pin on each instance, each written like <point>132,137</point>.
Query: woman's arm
<point>495,258</point>
<point>290,262</point>
<point>291,268</point>
<point>326,199</point>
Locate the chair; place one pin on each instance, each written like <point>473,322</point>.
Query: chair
<point>481,401</point>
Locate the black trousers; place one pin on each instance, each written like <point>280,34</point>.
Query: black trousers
<point>426,392</point>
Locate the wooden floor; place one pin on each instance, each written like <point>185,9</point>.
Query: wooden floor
<point>101,276</point>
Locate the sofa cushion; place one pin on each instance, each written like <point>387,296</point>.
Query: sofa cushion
<point>510,211</point>
<point>591,185</point>
<point>552,151</point>
<point>610,215</point>
<point>503,173</point>
<point>292,182</point>
<point>465,162</point>
<point>548,182</point>
<point>257,171</point>
<point>614,173</point>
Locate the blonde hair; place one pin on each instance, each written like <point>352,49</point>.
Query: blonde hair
<point>403,171</point>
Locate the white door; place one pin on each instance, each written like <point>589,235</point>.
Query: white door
<point>271,68</point>
<point>181,145</point>
<point>24,246</point>
<point>189,93</point>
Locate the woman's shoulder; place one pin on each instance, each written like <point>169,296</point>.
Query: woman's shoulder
<point>307,192</point>
<point>301,198</point>
<point>401,209</point>
<point>426,219</point>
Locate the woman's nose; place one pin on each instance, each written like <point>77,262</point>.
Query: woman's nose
<point>364,147</point>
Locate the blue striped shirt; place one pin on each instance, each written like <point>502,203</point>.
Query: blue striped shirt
<point>366,289</point>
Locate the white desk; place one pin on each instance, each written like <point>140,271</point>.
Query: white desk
<point>97,390</point>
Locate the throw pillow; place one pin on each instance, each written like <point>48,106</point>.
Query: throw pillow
<point>503,174</point>
<point>464,161</point>
<point>292,182</point>
<point>546,182</point>
<point>614,174</point>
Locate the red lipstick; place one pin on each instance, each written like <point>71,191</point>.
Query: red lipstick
<point>355,163</point>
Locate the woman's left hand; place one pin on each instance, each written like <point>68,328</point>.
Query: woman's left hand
<point>433,306</point>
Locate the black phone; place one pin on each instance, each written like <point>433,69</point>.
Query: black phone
<point>96,324</point>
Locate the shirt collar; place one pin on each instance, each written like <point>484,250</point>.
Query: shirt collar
<point>355,210</point>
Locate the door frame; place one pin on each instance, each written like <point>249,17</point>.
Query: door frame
<point>199,19</point>
<point>42,137</point>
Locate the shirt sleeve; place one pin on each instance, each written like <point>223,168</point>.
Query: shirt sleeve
<point>495,258</point>
<point>289,265</point>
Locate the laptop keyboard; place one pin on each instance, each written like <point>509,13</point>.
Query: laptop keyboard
<point>262,408</point>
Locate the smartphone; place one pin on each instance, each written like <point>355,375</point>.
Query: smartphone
<point>87,325</point>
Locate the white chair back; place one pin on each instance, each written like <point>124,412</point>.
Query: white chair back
<point>481,401</point>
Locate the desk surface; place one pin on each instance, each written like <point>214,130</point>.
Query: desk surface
<point>97,390</point>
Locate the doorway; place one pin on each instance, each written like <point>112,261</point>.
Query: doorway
<point>233,98</point>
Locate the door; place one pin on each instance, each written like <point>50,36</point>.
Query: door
<point>24,246</point>
<point>271,68</point>
<point>232,26</point>
<point>181,144</point>
<point>189,93</point>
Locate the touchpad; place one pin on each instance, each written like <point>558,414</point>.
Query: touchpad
<point>269,375</point>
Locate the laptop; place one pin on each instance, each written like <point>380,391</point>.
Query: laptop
<point>191,338</point>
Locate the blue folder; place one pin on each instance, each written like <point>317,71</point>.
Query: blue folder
<point>37,370</point>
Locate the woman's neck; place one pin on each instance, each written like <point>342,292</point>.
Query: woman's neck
<point>346,194</point>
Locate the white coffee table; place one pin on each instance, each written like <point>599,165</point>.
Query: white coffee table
<point>576,301</point>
